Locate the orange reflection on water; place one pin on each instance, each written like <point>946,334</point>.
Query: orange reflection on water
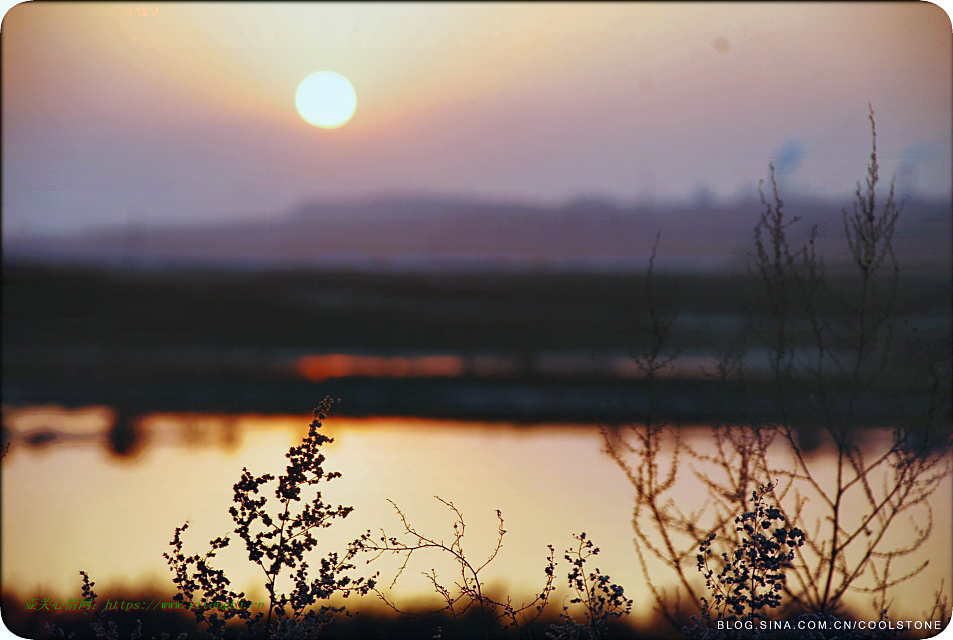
<point>318,368</point>
<point>77,507</point>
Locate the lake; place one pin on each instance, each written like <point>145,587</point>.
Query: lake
<point>72,504</point>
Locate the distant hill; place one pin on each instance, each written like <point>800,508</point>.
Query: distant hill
<point>434,232</point>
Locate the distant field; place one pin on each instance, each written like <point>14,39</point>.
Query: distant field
<point>237,341</point>
<point>350,310</point>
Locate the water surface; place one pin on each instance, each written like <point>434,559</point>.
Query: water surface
<point>71,504</point>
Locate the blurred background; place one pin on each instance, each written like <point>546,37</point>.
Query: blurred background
<point>190,266</point>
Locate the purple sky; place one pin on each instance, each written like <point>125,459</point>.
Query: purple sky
<point>188,113</point>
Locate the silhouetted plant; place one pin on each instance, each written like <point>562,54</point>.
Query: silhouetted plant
<point>276,541</point>
<point>849,356</point>
<point>601,600</point>
<point>849,337</point>
<point>103,629</point>
<point>751,576</point>
<point>468,593</point>
<point>651,515</point>
<point>750,582</point>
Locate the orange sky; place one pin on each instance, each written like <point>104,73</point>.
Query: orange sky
<point>189,114</point>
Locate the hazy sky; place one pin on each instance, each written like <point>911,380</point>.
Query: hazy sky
<point>190,114</point>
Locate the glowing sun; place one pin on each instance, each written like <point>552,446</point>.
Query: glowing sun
<point>326,99</point>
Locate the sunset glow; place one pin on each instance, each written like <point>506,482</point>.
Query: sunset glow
<point>482,99</point>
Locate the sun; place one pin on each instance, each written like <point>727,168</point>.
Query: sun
<point>326,99</point>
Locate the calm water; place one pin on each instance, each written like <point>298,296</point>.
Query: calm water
<point>72,505</point>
